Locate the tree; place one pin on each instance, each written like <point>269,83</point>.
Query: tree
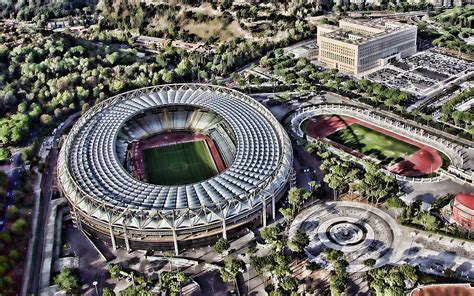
<point>4,154</point>
<point>427,220</point>
<point>171,282</point>
<point>269,234</point>
<point>14,255</point>
<point>296,197</point>
<point>18,226</point>
<point>221,245</point>
<point>46,119</point>
<point>369,262</point>
<point>289,284</point>
<point>231,268</point>
<point>115,271</point>
<point>332,255</point>
<point>287,214</point>
<point>137,290</point>
<point>313,186</point>
<point>298,242</point>
<point>67,280</point>
<point>107,292</point>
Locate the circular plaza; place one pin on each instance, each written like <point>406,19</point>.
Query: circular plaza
<point>360,231</point>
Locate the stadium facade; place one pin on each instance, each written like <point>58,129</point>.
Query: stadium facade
<point>106,201</point>
<point>357,47</point>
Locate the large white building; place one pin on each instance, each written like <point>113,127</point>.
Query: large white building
<point>357,47</point>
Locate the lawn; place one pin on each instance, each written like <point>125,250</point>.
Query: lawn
<point>178,164</point>
<point>373,143</point>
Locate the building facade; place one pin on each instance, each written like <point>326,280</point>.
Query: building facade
<point>463,210</point>
<point>356,47</point>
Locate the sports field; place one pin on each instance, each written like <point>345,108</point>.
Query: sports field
<point>370,142</point>
<point>178,164</point>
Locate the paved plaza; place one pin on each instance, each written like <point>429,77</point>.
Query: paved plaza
<point>362,231</point>
<point>358,230</point>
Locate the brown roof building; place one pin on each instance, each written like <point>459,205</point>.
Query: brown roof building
<point>463,210</point>
<point>444,290</point>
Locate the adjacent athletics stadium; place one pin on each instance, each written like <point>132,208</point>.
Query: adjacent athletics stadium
<point>400,154</point>
<point>174,166</point>
<point>404,150</point>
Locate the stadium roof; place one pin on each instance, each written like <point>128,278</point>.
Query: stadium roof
<point>92,175</point>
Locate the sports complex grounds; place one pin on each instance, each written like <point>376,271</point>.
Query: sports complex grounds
<point>397,153</point>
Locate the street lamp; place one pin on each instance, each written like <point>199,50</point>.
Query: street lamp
<point>94,283</point>
<point>248,277</point>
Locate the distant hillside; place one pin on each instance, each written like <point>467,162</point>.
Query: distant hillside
<point>41,10</point>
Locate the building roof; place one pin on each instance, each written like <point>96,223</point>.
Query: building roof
<point>466,199</point>
<point>445,290</point>
<point>380,29</point>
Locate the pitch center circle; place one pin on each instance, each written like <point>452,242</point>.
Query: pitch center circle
<point>178,166</point>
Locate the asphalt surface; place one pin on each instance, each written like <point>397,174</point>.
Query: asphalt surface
<point>16,168</point>
<point>46,185</point>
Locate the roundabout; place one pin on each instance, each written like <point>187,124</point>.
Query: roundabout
<point>360,231</point>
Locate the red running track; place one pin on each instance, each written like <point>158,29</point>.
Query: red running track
<point>170,138</point>
<point>423,162</point>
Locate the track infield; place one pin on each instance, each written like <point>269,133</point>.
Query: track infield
<point>182,163</point>
<point>399,154</point>
<point>373,143</point>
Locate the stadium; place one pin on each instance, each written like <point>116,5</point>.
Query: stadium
<point>174,166</point>
<point>403,150</point>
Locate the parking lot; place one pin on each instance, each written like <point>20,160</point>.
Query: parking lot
<point>423,72</point>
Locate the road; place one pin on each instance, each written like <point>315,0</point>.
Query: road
<point>46,185</point>
<point>16,168</point>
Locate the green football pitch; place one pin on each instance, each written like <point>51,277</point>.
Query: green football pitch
<point>178,164</point>
<point>372,143</point>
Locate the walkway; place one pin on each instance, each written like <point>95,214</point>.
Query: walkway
<point>359,230</point>
<point>389,243</point>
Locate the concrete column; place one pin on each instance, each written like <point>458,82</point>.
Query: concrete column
<point>273,207</point>
<point>175,241</point>
<point>264,211</point>
<point>224,229</point>
<point>125,236</point>
<point>78,220</point>
<point>112,238</point>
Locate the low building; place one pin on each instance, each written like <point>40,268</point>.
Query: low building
<point>463,210</point>
<point>155,42</point>
<point>357,47</point>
